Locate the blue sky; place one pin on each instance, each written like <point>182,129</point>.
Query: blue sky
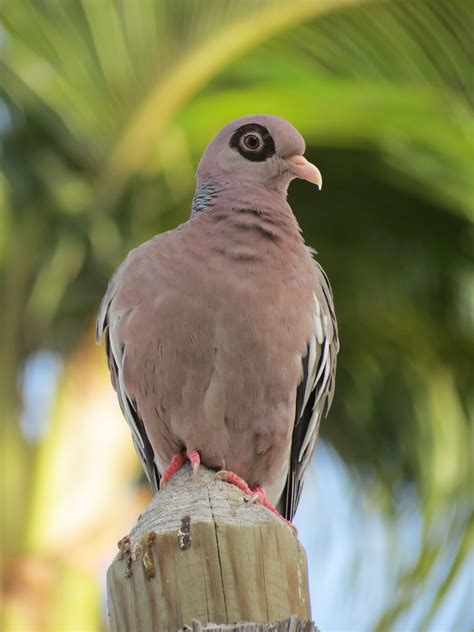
<point>356,555</point>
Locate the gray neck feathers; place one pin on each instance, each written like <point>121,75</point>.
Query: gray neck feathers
<point>204,198</point>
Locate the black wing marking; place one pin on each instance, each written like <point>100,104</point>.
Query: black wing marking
<point>115,356</point>
<point>314,394</point>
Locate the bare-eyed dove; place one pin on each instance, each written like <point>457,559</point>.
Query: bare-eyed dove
<point>221,336</point>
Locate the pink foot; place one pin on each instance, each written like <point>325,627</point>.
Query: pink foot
<point>257,494</point>
<point>177,463</point>
<point>263,499</point>
<point>233,479</point>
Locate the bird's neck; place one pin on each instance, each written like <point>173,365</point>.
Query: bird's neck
<point>205,197</point>
<point>242,209</point>
<point>227,194</point>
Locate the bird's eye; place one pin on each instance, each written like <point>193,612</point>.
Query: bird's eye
<point>252,142</point>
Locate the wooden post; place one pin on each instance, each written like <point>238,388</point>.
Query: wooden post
<point>201,553</point>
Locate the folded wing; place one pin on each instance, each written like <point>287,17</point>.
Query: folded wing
<point>315,392</point>
<point>115,351</point>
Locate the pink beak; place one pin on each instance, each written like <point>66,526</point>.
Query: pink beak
<point>303,169</point>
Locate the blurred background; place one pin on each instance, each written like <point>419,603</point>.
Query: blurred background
<point>105,109</point>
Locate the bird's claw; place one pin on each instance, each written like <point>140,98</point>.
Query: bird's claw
<point>256,494</point>
<point>233,479</point>
<point>177,463</point>
<point>263,499</point>
<point>195,460</point>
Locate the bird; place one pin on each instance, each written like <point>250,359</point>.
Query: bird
<point>221,335</point>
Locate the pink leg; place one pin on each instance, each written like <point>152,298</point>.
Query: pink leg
<point>175,464</point>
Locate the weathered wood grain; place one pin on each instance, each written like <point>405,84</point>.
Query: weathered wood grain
<point>292,624</point>
<point>202,552</point>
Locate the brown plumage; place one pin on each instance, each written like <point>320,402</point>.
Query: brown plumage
<point>221,335</point>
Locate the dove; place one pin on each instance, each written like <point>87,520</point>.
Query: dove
<point>220,335</point>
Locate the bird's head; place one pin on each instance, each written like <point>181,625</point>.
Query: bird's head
<point>257,149</point>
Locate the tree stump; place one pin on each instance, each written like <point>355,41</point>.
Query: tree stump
<point>201,553</point>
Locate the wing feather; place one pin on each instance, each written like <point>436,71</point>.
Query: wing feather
<point>116,352</point>
<point>315,391</point>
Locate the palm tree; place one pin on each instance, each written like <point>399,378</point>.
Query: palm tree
<point>106,109</point>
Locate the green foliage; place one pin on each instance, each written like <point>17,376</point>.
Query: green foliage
<point>107,107</point>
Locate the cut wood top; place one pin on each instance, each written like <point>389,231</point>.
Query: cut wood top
<point>205,499</point>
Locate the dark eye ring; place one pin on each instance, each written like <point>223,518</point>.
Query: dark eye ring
<point>252,142</point>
